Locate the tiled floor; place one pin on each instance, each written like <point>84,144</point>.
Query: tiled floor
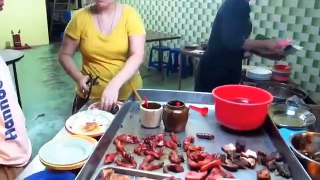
<point>46,89</point>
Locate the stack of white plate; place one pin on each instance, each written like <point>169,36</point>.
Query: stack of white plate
<point>67,153</point>
<point>259,73</point>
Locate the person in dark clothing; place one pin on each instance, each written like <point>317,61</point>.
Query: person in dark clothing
<point>221,63</point>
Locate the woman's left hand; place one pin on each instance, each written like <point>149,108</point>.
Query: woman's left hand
<point>109,96</point>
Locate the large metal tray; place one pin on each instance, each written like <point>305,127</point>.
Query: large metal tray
<point>126,121</point>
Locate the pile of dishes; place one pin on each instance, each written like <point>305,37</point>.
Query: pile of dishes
<point>67,152</point>
<point>259,73</point>
<point>281,72</point>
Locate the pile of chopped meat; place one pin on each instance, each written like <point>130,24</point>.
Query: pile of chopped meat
<point>202,164</point>
<point>238,157</point>
<point>152,147</point>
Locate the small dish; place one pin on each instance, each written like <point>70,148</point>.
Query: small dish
<point>89,123</point>
<point>66,151</point>
<point>291,117</point>
<point>114,110</point>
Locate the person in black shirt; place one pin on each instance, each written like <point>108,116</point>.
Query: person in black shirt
<point>221,63</point>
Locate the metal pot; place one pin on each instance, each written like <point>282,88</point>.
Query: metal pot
<point>280,91</point>
<point>307,143</point>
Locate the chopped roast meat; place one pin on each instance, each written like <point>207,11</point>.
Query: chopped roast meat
<point>262,154</point>
<point>155,153</point>
<point>175,139</point>
<point>252,162</point>
<point>175,158</point>
<point>205,136</point>
<point>219,173</point>
<point>263,174</point>
<point>119,146</point>
<point>170,144</point>
<point>197,159</point>
<point>240,146</point>
<point>109,158</point>
<point>249,154</point>
<point>193,175</point>
<point>128,139</point>
<point>195,148</point>
<point>277,156</point>
<point>140,148</point>
<point>186,142</point>
<point>176,168</point>
<point>230,166</point>
<point>283,169</point>
<point>213,164</point>
<point>233,156</point>
<point>222,157</point>
<point>271,165</point>
<point>226,174</point>
<point>267,159</point>
<point>242,163</point>
<point>127,161</point>
<point>147,164</point>
<point>229,149</point>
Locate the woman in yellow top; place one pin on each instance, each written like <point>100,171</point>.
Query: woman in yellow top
<point>111,38</point>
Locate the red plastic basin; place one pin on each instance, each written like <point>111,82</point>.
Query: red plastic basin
<point>241,107</point>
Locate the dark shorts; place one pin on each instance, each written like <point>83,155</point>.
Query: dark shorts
<point>209,77</point>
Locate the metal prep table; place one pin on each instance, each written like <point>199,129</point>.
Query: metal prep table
<point>266,139</point>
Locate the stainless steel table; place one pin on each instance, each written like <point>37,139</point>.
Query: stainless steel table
<point>11,57</point>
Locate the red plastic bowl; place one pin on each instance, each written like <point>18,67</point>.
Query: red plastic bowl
<point>241,107</point>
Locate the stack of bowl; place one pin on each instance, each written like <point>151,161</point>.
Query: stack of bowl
<point>259,73</point>
<point>281,72</point>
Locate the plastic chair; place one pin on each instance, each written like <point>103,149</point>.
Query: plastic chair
<point>174,54</point>
<point>67,18</point>
<point>154,63</point>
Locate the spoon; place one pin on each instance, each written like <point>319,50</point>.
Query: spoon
<point>146,101</point>
<point>202,110</point>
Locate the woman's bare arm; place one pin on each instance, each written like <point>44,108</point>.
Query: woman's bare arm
<point>67,50</point>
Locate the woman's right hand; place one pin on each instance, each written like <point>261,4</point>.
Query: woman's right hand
<point>82,83</point>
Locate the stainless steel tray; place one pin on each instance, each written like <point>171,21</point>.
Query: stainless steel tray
<point>134,174</point>
<point>126,121</point>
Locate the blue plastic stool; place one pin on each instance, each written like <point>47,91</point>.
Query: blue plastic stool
<point>155,63</point>
<point>173,56</point>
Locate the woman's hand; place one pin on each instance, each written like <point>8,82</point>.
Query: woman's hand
<point>82,83</point>
<point>109,96</point>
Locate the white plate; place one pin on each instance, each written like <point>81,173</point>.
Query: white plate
<point>260,71</point>
<point>77,122</point>
<point>66,151</point>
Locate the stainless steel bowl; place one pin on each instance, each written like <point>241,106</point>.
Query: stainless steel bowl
<point>307,142</point>
<point>292,117</point>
